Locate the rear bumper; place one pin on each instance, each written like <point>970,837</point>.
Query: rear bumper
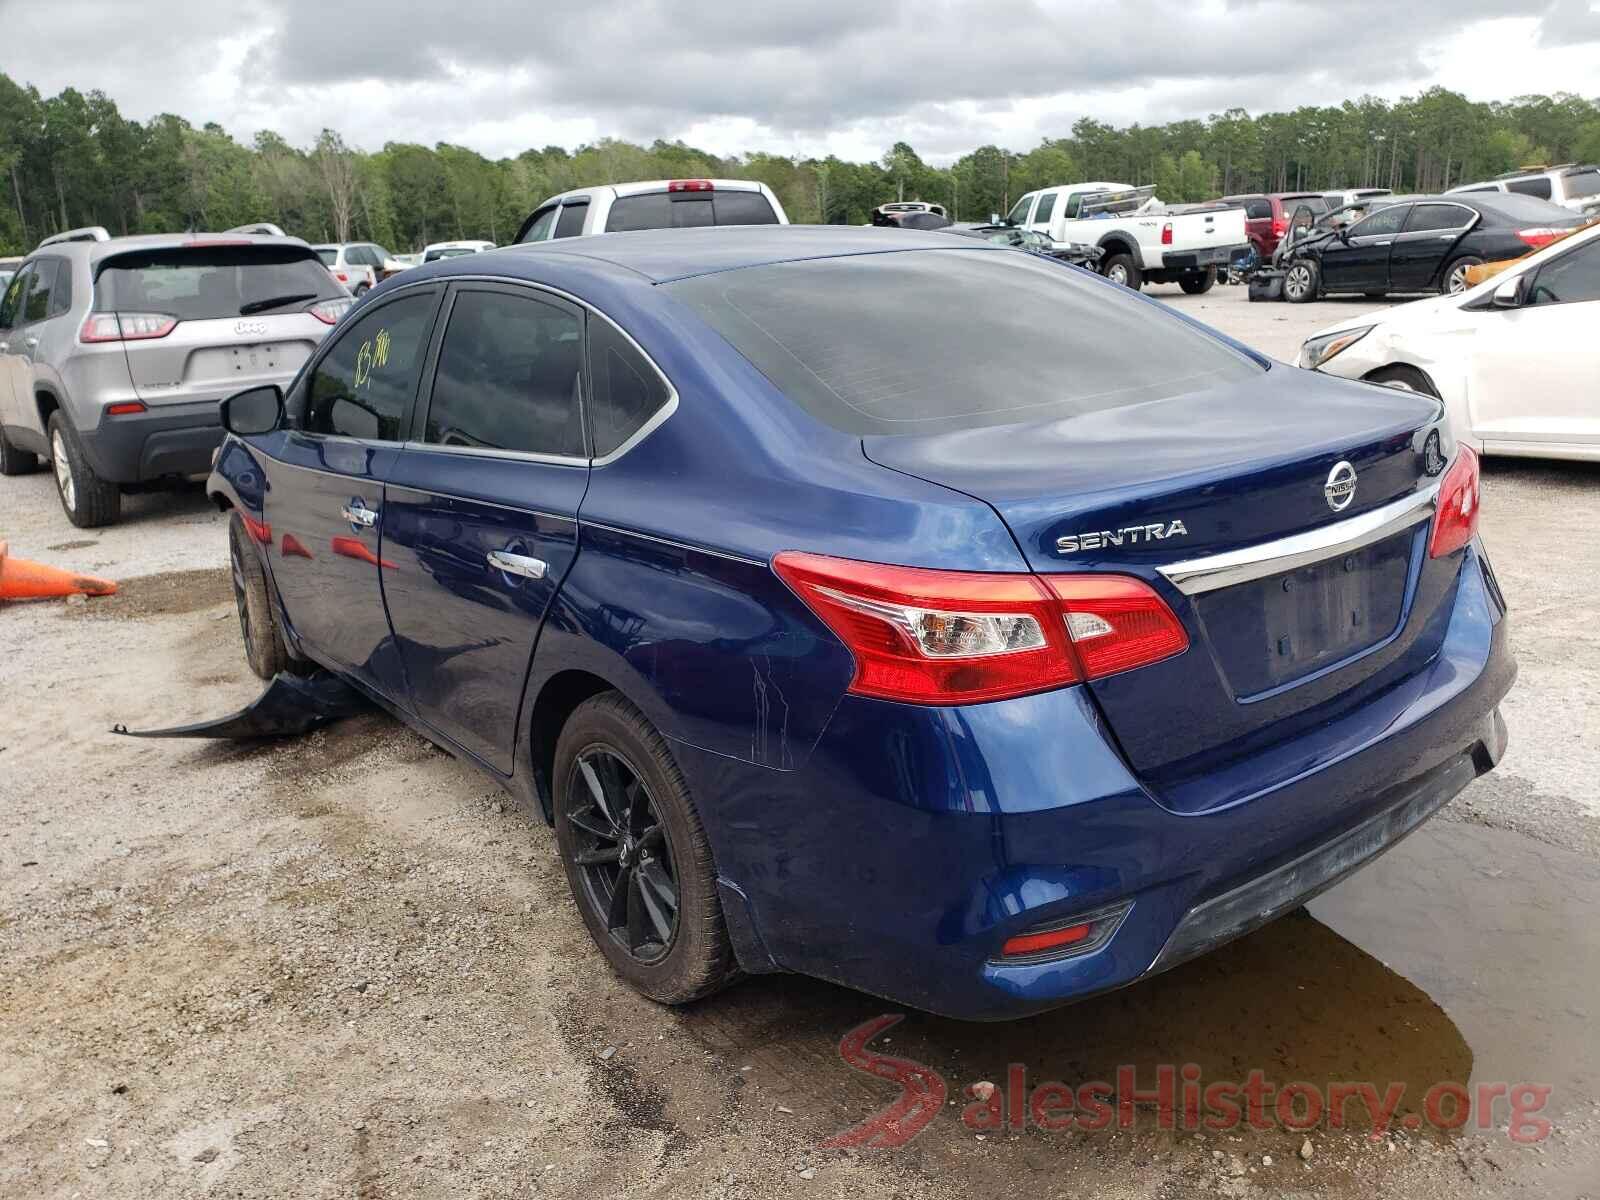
<point>1198,260</point>
<point>174,439</point>
<point>913,842</point>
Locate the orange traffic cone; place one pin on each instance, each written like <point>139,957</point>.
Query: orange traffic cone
<point>21,579</point>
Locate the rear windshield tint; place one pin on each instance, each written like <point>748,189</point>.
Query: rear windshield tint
<point>198,283</point>
<point>927,341</point>
<point>1526,210</point>
<point>661,210</point>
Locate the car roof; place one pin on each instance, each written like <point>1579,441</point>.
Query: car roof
<point>662,255</point>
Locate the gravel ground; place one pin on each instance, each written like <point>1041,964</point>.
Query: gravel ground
<point>346,966</point>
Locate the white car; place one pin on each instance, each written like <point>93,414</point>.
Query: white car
<point>1355,195</point>
<point>656,204</point>
<point>1570,186</point>
<point>360,266</point>
<point>1515,359</point>
<point>438,250</point>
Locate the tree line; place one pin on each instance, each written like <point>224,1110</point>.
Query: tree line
<point>73,159</point>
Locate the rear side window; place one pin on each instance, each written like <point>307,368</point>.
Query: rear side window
<point>508,377</point>
<point>200,283</point>
<point>570,223</point>
<point>1258,210</point>
<point>328,255</point>
<point>363,386</point>
<point>36,300</point>
<point>1539,187</point>
<point>1570,278</point>
<point>1428,217</point>
<point>627,390</point>
<point>1047,205</point>
<point>927,341</point>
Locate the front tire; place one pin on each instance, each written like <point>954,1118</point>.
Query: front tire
<point>1300,282</point>
<point>14,461</point>
<point>1120,268</point>
<point>1200,283</point>
<point>1453,281</point>
<point>636,854</point>
<point>264,646</point>
<point>88,500</point>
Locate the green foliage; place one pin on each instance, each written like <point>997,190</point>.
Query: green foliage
<point>73,159</point>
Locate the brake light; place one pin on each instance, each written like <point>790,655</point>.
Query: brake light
<point>1166,234</point>
<point>1280,226</point>
<point>1456,519</point>
<point>329,311</point>
<point>1541,237</point>
<point>956,637</point>
<point>125,408</point>
<point>691,185</point>
<point>126,326</point>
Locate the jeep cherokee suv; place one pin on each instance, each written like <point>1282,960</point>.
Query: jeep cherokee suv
<point>114,353</point>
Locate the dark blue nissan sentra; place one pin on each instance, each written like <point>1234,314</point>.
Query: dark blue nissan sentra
<point>909,612</point>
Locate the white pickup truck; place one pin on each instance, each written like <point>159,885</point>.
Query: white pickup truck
<point>1142,240</point>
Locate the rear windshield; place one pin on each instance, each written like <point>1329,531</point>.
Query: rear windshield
<point>682,210</point>
<point>198,283</point>
<point>1317,204</point>
<point>452,252</point>
<point>1526,210</point>
<point>927,341</point>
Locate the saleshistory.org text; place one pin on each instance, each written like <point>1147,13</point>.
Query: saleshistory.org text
<point>1178,1098</point>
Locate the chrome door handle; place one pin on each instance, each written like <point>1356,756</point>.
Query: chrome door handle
<point>1380,243</point>
<point>4,346</point>
<point>30,341</point>
<point>518,564</point>
<point>359,514</point>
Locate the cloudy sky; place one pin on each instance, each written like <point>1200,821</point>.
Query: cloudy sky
<point>792,76</point>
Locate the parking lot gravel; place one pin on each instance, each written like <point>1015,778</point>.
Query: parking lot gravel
<point>346,965</point>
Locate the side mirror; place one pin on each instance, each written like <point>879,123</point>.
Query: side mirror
<point>1509,293</point>
<point>256,410</point>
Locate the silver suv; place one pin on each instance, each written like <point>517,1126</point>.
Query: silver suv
<point>114,353</point>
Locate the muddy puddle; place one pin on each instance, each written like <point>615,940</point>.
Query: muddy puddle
<point>1467,956</point>
<point>157,595</point>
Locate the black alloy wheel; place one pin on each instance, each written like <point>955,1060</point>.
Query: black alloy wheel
<point>623,850</point>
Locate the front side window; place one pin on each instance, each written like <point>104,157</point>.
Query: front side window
<point>1539,187</point>
<point>1019,211</point>
<point>1047,205</point>
<point>1384,221</point>
<point>539,227</point>
<point>570,223</point>
<point>1426,218</point>
<point>364,385</point>
<point>1572,277</point>
<point>11,305</point>
<point>927,341</point>
<point>509,377</point>
<point>627,389</point>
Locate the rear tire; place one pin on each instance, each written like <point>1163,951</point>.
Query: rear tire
<point>636,855</point>
<point>1453,280</point>
<point>14,461</point>
<point>1199,284</point>
<point>1120,268</point>
<point>1300,282</point>
<point>88,500</point>
<point>264,647</point>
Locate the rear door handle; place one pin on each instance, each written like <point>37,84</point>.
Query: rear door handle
<point>518,564</point>
<point>30,341</point>
<point>358,513</point>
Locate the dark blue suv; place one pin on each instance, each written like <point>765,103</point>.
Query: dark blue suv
<point>911,612</point>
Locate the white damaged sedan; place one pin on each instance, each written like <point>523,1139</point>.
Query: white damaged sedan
<point>1515,359</point>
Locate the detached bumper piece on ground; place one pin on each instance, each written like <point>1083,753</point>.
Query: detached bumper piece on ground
<point>291,704</point>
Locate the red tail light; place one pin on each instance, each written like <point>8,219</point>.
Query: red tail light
<point>1280,226</point>
<point>1542,237</point>
<point>341,276</point>
<point>957,637</point>
<point>126,326</point>
<point>1166,234</point>
<point>1456,519</point>
<point>329,311</point>
<point>691,185</point>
